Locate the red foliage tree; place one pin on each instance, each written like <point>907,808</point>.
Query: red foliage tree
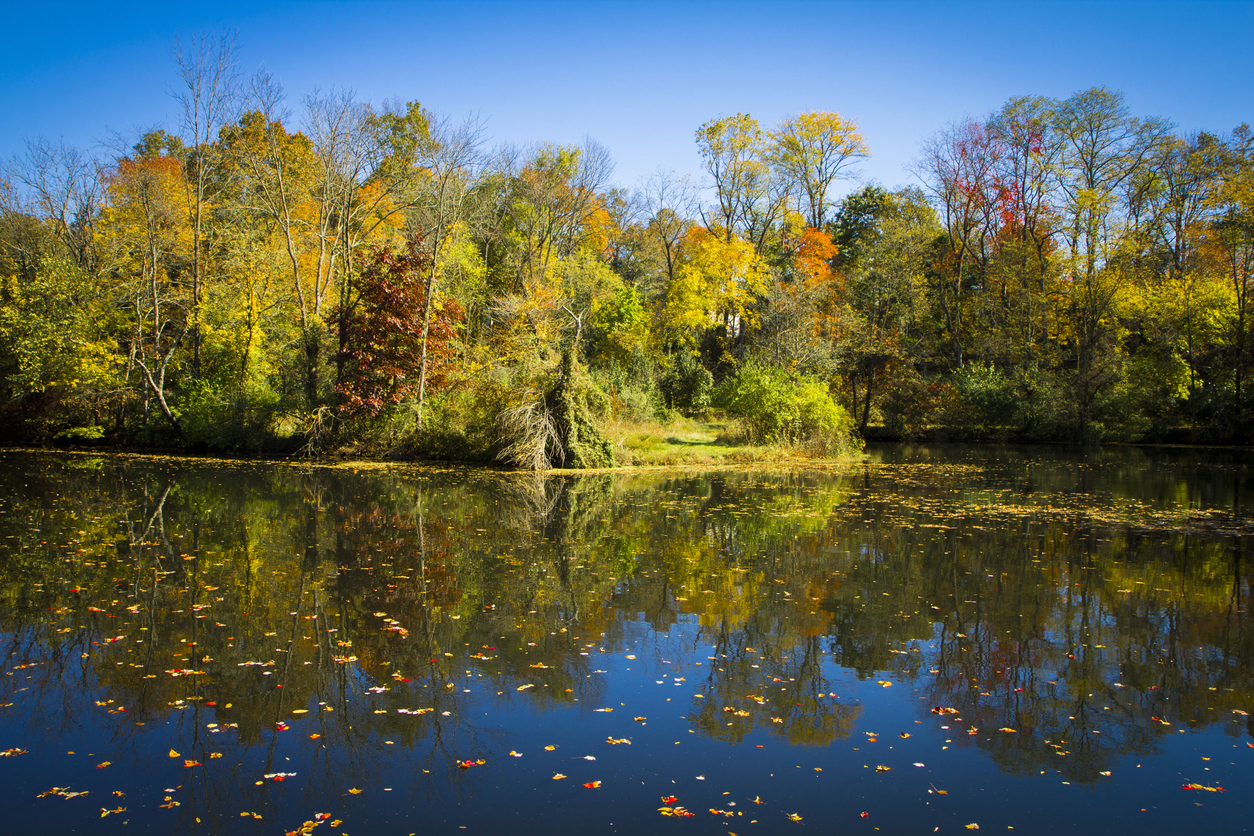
<point>381,335</point>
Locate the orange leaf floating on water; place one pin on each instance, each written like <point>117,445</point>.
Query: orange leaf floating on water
<point>103,764</point>
<point>12,753</point>
<point>941,709</point>
<point>593,785</point>
<point>669,799</point>
<point>175,754</point>
<point>1201,787</point>
<point>1011,731</point>
<point>189,763</point>
<point>794,817</point>
<point>883,769</point>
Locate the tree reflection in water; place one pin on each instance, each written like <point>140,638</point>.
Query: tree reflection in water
<point>1054,612</point>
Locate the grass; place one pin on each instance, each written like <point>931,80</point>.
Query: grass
<point>685,441</point>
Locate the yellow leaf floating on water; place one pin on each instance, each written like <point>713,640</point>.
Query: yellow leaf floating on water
<point>1011,731</point>
<point>175,754</point>
<point>794,817</point>
<point>356,791</point>
<point>549,748</point>
<point>883,769</point>
<point>884,683</point>
<point>973,826</point>
<point>559,776</point>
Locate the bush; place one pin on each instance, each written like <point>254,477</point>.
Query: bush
<point>791,409</point>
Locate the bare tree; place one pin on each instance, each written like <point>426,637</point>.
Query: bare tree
<point>209,98</point>
<point>63,185</point>
<point>669,201</point>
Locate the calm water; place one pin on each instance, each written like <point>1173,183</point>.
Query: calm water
<point>934,639</point>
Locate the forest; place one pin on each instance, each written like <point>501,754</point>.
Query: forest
<point>383,281</point>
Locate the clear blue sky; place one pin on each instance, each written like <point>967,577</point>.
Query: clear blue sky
<point>641,76</point>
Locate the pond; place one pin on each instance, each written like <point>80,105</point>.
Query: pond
<point>935,639</point>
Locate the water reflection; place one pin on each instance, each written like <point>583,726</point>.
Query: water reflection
<point>1051,612</point>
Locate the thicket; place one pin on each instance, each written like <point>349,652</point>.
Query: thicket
<point>382,282</point>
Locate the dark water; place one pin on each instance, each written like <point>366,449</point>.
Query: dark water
<point>936,638</point>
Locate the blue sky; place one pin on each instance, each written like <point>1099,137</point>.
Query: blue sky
<point>640,77</point>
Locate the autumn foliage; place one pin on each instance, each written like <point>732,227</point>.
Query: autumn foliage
<point>381,335</point>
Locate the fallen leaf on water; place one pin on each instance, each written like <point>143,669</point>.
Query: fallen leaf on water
<point>558,776</point>
<point>616,741</point>
<point>1107,774</point>
<point>943,709</point>
<point>903,735</point>
<point>794,817</point>
<point>973,826</point>
<point>589,757</point>
<point>12,753</point>
<point>864,815</point>
<point>669,799</point>
<point>1201,787</point>
<point>639,719</point>
<point>1011,731</point>
<point>175,754</point>
<point>592,785</point>
<point>884,683</point>
<point>191,763</point>
<point>549,748</point>
<point>103,764</point>
<point>314,736</point>
<point>883,769</point>
<point>104,812</point>
<point>514,754</point>
<point>356,791</point>
<point>603,709</point>
<point>213,755</point>
<point>758,800</point>
<point>918,764</point>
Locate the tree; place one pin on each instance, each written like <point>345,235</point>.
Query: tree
<point>384,331</point>
<point>811,151</point>
<point>207,66</point>
<point>749,200</point>
<point>1105,155</point>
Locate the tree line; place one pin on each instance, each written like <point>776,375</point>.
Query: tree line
<point>382,278</point>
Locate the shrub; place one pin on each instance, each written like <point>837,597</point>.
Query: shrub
<point>780,407</point>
